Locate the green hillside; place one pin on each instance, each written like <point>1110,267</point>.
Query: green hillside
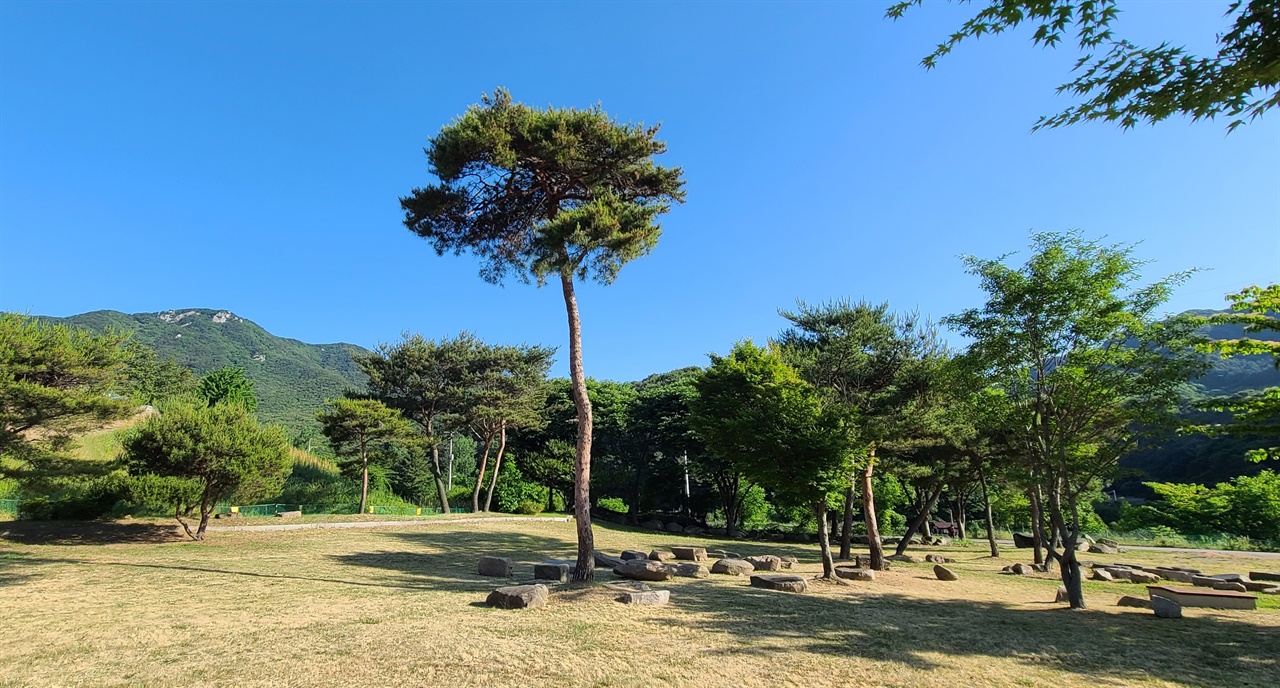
<point>291,378</point>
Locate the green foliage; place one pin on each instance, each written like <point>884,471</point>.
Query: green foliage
<point>291,379</point>
<point>612,504</point>
<point>1247,506</point>
<point>221,447</point>
<point>228,386</point>
<point>543,192</point>
<point>56,381</point>
<point>153,380</point>
<point>513,490</point>
<point>529,508</point>
<point>1126,83</point>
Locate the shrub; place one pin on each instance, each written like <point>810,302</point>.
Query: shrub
<point>614,504</point>
<point>529,508</point>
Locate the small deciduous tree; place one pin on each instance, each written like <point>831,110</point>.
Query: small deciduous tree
<point>352,425</point>
<point>755,411</point>
<point>504,392</point>
<point>1087,363</point>
<point>212,453</point>
<point>558,193</point>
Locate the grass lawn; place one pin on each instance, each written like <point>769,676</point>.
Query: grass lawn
<point>133,604</point>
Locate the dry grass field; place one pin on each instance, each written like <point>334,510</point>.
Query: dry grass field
<point>132,604</point>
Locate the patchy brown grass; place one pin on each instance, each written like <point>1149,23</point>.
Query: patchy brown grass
<point>403,606</point>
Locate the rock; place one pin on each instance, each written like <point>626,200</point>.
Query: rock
<point>694,530</point>
<point>659,555</point>
<point>1088,539</point>
<point>1131,601</point>
<point>1082,547</point>
<point>1233,577</point>
<point>552,571</point>
<point>289,514</point>
<point>941,541</point>
<point>1020,569</point>
<point>1166,608</point>
<point>690,570</point>
<point>1102,575</point>
<point>1230,585</point>
<point>1062,595</point>
<point>732,567</point>
<point>1204,581</point>
<point>765,562</point>
<point>863,561</point>
<point>646,597</point>
<point>856,574</point>
<point>938,559</point>
<point>944,573</point>
<point>788,561</point>
<point>797,537</point>
<point>674,527</point>
<point>229,514</point>
<point>1042,568</point>
<point>718,532</point>
<point>1175,575</point>
<point>904,558</point>
<point>1103,548</point>
<point>690,553</point>
<point>775,537</point>
<point>1274,590</point>
<point>1108,542</point>
<point>859,539</point>
<point>1258,586</point>
<point>1118,573</point>
<point>645,570</point>
<point>652,524</point>
<point>629,554</point>
<point>607,561</point>
<point>498,567</point>
<point>1023,541</point>
<point>781,582</point>
<point>1144,578</point>
<point>1264,576</point>
<point>518,597</point>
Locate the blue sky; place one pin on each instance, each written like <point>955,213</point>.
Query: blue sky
<point>250,157</point>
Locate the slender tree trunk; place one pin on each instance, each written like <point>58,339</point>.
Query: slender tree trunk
<point>824,539</point>
<point>177,513</point>
<point>846,530</point>
<point>484,464</point>
<point>919,520</point>
<point>441,489</point>
<point>1069,565</point>
<point>551,498</point>
<point>869,514</point>
<point>207,502</point>
<point>364,474</point>
<point>497,465</point>
<point>1037,535</point>
<point>585,569</point>
<point>986,506</point>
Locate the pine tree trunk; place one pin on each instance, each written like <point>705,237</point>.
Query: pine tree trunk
<point>497,466</point>
<point>869,514</point>
<point>824,539</point>
<point>364,475</point>
<point>484,464</point>
<point>206,509</point>
<point>846,530</point>
<point>438,474</point>
<point>585,568</point>
<point>919,520</point>
<point>986,505</point>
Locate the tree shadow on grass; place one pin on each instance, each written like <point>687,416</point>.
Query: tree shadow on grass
<point>90,533</point>
<point>1202,649</point>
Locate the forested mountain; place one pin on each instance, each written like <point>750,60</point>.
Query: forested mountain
<point>1197,458</point>
<point>291,378</point>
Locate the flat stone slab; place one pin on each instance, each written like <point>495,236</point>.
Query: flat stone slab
<point>1131,601</point>
<point>1264,576</point>
<point>1176,576</point>
<point>645,570</point>
<point>607,561</point>
<point>780,582</point>
<point>855,573</point>
<point>289,514</point>
<point>1197,597</point>
<point>498,567</point>
<point>905,558</point>
<point>732,567</point>
<point>765,562</point>
<point>629,554</point>
<point>1166,608</point>
<point>689,570</point>
<point>645,597</point>
<point>1102,575</point>
<point>661,555</point>
<point>518,597</point>
<point>1259,586</point>
<point>1143,577</point>
<point>788,561</point>
<point>551,571</point>
<point>690,553</point>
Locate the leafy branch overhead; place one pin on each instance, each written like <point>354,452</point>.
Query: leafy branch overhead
<point>1120,81</point>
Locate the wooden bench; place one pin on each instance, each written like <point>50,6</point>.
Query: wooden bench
<point>1200,597</point>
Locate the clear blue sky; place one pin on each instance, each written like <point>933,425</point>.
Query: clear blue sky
<point>249,156</point>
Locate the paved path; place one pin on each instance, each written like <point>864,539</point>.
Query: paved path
<point>383,524</point>
<point>1182,550</point>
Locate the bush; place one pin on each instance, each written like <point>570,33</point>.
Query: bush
<point>614,504</point>
<point>36,509</point>
<point>529,508</point>
<point>512,489</point>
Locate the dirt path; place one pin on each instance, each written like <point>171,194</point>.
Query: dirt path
<point>1185,550</point>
